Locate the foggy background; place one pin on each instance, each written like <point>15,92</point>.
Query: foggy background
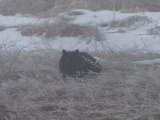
<point>52,7</point>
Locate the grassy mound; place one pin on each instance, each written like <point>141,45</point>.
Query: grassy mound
<point>130,23</point>
<point>62,29</point>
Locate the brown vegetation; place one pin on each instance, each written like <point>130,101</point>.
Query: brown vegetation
<point>52,7</point>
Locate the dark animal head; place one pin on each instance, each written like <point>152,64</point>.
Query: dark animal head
<point>71,62</point>
<point>70,59</point>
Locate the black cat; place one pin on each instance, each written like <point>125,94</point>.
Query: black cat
<point>77,64</point>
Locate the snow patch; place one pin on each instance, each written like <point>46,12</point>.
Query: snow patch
<point>148,62</point>
<point>137,38</point>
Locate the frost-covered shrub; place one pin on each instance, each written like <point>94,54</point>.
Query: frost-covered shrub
<point>123,90</point>
<point>19,64</point>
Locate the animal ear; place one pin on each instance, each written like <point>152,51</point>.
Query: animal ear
<point>64,52</point>
<point>77,51</point>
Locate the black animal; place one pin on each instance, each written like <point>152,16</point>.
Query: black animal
<point>77,64</point>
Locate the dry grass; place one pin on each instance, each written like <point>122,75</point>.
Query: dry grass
<point>11,7</point>
<point>31,88</point>
<point>2,28</point>
<point>154,31</point>
<point>130,23</point>
<point>52,7</point>
<point>63,29</point>
<point>106,5</point>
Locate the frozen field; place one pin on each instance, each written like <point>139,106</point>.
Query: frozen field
<point>126,44</point>
<point>130,30</point>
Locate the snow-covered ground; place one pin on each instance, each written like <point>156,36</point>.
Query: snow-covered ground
<point>130,39</point>
<point>148,62</point>
<point>116,40</point>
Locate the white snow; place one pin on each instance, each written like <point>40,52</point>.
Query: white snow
<point>117,41</point>
<point>148,62</point>
<point>106,16</point>
<point>12,39</point>
<point>96,18</point>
